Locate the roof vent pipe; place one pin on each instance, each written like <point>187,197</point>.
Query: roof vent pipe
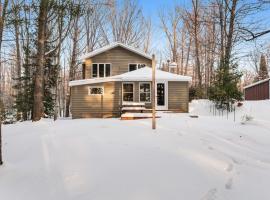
<point>172,65</point>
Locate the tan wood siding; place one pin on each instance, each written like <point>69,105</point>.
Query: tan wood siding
<point>84,105</point>
<point>119,58</point>
<point>178,96</point>
<point>89,106</point>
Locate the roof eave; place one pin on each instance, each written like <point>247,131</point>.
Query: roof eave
<point>256,83</point>
<point>109,47</point>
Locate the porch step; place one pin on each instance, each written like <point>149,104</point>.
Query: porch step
<point>132,116</point>
<point>133,104</point>
<point>133,108</point>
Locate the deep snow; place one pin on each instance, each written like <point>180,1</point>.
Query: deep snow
<point>203,158</point>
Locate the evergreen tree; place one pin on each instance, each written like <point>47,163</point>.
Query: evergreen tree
<point>24,98</point>
<point>263,71</point>
<point>224,90</point>
<point>50,80</point>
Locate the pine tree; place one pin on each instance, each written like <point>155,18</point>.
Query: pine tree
<point>224,90</point>
<point>50,80</point>
<point>263,71</point>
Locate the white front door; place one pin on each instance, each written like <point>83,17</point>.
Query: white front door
<point>162,95</point>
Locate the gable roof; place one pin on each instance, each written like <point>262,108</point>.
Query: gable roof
<point>112,46</point>
<point>143,74</point>
<point>257,83</point>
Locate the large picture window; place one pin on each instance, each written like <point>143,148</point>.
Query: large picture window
<point>132,67</point>
<point>96,90</point>
<point>100,70</point>
<point>128,91</point>
<point>145,92</point>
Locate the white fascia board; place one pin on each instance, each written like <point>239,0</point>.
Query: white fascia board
<point>104,80</point>
<point>111,46</point>
<point>90,81</point>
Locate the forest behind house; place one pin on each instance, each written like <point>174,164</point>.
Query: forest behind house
<point>41,42</point>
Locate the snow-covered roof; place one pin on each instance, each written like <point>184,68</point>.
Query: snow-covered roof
<point>111,46</point>
<point>143,74</point>
<point>256,83</point>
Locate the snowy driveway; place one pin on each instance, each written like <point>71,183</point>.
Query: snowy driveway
<point>107,159</point>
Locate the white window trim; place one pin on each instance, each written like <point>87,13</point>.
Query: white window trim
<point>90,87</point>
<point>104,69</point>
<point>135,64</point>
<point>145,92</point>
<point>123,91</point>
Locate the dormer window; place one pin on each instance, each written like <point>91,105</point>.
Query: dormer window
<point>132,67</point>
<point>100,70</point>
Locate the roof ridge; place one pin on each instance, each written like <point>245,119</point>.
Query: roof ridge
<point>113,45</point>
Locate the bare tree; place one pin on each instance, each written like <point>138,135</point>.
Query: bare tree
<point>2,23</point>
<point>170,24</point>
<point>196,29</point>
<point>38,88</point>
<point>73,60</point>
<point>94,20</point>
<point>127,23</point>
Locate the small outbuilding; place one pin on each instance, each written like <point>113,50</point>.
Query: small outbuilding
<point>258,91</point>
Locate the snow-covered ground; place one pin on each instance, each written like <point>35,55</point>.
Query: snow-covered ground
<point>203,158</point>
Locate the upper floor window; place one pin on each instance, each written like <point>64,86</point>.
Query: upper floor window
<point>100,70</point>
<point>132,67</point>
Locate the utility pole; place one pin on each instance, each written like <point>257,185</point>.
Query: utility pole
<point>153,92</point>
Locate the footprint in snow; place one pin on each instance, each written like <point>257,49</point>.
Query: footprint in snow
<point>210,148</point>
<point>229,183</point>
<point>179,133</point>
<point>229,167</point>
<point>210,195</point>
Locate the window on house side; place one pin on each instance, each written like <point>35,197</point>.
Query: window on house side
<point>95,70</point>
<point>133,67</point>
<point>128,92</point>
<point>145,92</point>
<point>108,70</point>
<point>100,70</point>
<point>96,91</point>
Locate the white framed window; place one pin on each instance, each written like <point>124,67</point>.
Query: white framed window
<point>95,90</point>
<point>128,91</point>
<point>145,92</point>
<point>100,70</point>
<point>135,66</point>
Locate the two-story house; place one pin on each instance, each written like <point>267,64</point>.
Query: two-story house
<point>117,74</point>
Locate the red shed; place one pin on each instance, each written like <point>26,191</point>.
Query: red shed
<point>258,91</point>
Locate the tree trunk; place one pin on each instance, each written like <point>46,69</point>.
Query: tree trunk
<point>18,52</point>
<point>73,61</point>
<point>228,47</point>
<point>1,159</point>
<point>2,22</point>
<point>39,78</point>
<point>196,41</point>
<point>2,19</point>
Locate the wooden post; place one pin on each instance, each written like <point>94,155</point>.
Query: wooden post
<point>102,109</point>
<point>153,92</point>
